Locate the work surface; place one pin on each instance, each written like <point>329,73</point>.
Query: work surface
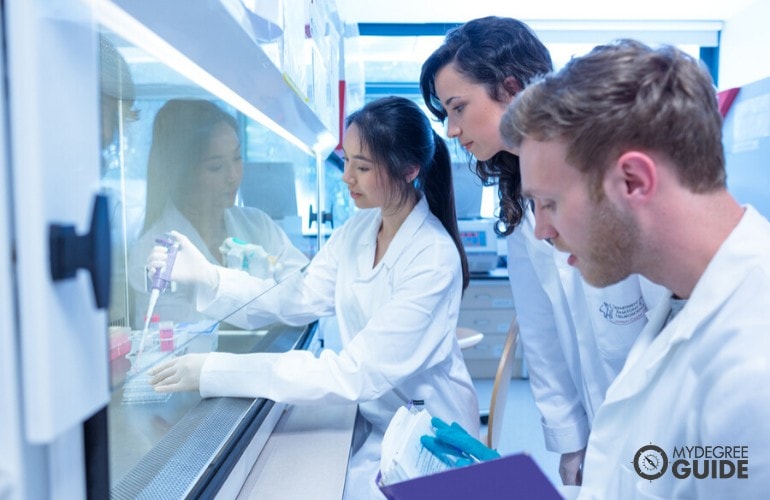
<point>305,457</point>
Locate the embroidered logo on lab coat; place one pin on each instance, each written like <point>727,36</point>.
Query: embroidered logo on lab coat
<point>624,314</point>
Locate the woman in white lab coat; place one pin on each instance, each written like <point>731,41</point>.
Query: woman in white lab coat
<point>393,275</point>
<point>575,337</point>
<point>194,172</point>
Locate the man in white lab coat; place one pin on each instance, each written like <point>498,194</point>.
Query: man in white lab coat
<point>621,153</point>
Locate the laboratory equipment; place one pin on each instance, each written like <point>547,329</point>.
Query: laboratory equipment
<point>160,281</point>
<point>480,243</point>
<point>166,335</point>
<point>138,388</point>
<point>69,431</point>
<point>253,259</point>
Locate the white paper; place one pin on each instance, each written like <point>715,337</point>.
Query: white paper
<point>403,455</point>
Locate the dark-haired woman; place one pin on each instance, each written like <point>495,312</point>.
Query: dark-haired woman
<point>393,275</point>
<point>575,337</point>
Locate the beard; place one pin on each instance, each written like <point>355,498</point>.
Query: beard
<point>614,240</point>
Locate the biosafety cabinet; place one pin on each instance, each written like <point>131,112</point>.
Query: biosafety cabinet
<point>122,120</point>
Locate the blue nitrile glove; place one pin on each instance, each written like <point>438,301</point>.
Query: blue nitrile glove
<point>454,446</point>
<point>450,455</point>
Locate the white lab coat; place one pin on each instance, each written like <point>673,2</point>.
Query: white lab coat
<point>702,381</point>
<point>397,326</point>
<point>575,337</point>
<point>177,303</point>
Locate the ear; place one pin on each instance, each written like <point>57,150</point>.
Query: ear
<point>511,85</point>
<point>633,178</point>
<point>412,174</point>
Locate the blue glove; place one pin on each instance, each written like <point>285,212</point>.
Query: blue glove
<point>454,446</point>
<point>450,455</point>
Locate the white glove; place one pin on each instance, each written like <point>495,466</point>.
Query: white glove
<point>190,265</point>
<point>179,374</point>
<point>571,467</point>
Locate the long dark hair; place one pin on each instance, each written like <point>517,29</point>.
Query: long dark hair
<point>180,134</point>
<point>398,135</point>
<point>503,55</point>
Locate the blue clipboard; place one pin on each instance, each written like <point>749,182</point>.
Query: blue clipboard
<point>513,476</point>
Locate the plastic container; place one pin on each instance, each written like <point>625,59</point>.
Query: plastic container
<point>166,335</point>
<point>137,389</point>
<point>120,341</point>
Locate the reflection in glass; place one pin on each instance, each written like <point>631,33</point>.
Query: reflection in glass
<point>194,173</point>
<point>177,158</point>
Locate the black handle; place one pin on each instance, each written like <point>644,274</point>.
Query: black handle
<point>325,217</point>
<point>91,251</point>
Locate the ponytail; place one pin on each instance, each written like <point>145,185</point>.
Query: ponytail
<point>399,136</point>
<point>439,192</point>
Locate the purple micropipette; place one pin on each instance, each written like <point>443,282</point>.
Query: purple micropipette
<point>162,276</point>
<point>160,282</point>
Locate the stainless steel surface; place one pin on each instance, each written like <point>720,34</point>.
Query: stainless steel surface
<point>311,442</point>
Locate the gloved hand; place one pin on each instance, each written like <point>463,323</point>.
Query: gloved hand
<point>454,446</point>
<point>190,265</point>
<point>179,374</point>
<point>447,454</point>
<point>571,467</point>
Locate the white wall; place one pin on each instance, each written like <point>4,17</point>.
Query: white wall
<point>743,54</point>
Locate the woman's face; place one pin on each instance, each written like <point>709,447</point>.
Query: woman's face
<point>362,174</point>
<point>220,170</point>
<point>473,117</point>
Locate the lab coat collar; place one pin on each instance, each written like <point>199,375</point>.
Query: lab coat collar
<point>738,253</point>
<point>644,356</point>
<point>406,232</point>
<point>403,236</point>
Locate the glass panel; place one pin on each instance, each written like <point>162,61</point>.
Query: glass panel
<point>177,158</point>
<point>337,196</point>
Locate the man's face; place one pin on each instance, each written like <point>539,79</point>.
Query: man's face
<point>600,238</point>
